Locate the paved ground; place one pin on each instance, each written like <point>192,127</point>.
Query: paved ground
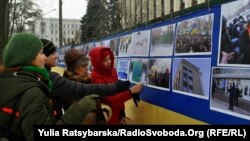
<point>221,101</point>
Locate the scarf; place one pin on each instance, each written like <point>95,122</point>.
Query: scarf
<point>42,71</point>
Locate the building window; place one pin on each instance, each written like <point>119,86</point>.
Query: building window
<point>185,68</point>
<point>52,32</point>
<point>190,78</point>
<point>190,72</point>
<point>184,86</point>
<point>184,74</point>
<point>190,88</point>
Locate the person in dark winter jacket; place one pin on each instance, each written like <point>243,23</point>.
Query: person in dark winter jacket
<point>25,91</point>
<point>77,70</point>
<point>65,89</point>
<point>226,46</point>
<point>103,71</point>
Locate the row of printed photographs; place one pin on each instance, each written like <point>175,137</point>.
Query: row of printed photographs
<point>228,87</point>
<point>193,37</point>
<point>229,93</point>
<point>189,75</point>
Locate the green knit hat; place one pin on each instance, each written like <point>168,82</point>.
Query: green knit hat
<point>21,49</point>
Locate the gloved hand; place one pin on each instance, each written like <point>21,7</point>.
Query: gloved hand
<point>88,102</point>
<point>78,111</point>
<point>136,98</point>
<point>122,85</point>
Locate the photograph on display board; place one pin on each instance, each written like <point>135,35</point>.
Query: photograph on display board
<point>105,43</point>
<point>82,47</point>
<point>191,77</point>
<point>88,47</point>
<point>162,40</point>
<point>61,56</point>
<point>138,70</point>
<point>230,91</point>
<point>125,45</point>
<point>97,44</point>
<point>79,47</point>
<point>60,53</point>
<point>123,68</point>
<point>114,44</point>
<point>234,46</point>
<point>140,43</point>
<point>194,36</point>
<point>159,71</point>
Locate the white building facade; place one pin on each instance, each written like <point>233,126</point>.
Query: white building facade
<point>48,28</point>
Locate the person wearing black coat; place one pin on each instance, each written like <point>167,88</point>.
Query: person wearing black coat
<point>232,91</point>
<point>226,46</point>
<point>65,89</point>
<point>244,43</point>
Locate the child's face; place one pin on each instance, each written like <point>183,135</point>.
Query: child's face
<point>40,59</point>
<point>107,62</point>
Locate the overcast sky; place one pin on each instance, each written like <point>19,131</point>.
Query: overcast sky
<point>71,9</point>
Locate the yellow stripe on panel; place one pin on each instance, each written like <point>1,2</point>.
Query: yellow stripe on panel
<point>147,113</point>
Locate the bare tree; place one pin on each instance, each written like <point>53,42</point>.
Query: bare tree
<point>4,25</point>
<point>22,12</point>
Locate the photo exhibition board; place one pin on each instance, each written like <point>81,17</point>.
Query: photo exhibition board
<point>194,64</point>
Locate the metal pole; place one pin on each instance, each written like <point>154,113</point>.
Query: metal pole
<point>60,23</point>
<point>42,27</point>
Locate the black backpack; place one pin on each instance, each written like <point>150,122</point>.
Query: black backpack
<point>8,113</point>
<point>9,109</point>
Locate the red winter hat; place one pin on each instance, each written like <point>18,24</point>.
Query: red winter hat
<point>72,56</point>
<point>105,53</point>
